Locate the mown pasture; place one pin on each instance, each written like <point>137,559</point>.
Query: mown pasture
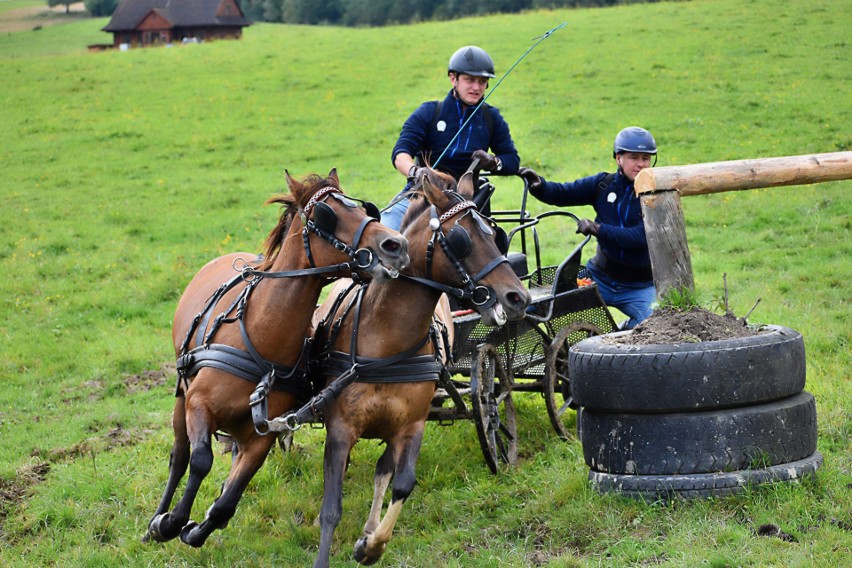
<point>124,172</point>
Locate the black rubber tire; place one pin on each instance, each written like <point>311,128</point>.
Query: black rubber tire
<point>493,409</point>
<point>664,488</point>
<point>700,442</point>
<point>687,377</point>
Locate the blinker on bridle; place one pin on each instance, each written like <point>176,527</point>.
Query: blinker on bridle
<point>457,245</point>
<point>324,223</point>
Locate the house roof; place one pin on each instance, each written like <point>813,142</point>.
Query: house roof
<point>180,13</point>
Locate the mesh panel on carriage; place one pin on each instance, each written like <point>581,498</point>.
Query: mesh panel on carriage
<point>522,344</point>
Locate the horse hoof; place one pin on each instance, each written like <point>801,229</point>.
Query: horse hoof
<point>191,535</point>
<point>159,530</point>
<point>360,553</point>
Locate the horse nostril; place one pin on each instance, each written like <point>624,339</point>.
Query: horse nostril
<point>394,247</point>
<point>390,246</point>
<point>518,300</point>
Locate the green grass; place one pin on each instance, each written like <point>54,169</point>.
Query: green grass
<point>10,5</point>
<point>124,172</point>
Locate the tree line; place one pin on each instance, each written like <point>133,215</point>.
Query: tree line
<point>96,8</point>
<point>386,12</point>
<point>369,12</point>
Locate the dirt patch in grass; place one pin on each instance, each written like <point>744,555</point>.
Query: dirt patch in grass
<point>146,380</point>
<point>40,16</point>
<point>13,491</point>
<point>16,490</point>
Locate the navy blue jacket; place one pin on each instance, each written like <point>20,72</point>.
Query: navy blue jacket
<point>420,138</point>
<point>621,235</point>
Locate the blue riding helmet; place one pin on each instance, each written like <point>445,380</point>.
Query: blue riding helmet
<point>634,139</point>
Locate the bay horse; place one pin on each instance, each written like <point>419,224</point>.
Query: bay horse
<point>396,322</point>
<point>223,359</point>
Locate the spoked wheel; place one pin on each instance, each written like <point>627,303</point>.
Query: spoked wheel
<point>557,387</point>
<point>493,409</point>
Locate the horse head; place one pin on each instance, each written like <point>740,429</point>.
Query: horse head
<point>336,230</point>
<point>463,249</point>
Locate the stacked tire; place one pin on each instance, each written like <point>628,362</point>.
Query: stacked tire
<point>694,419</point>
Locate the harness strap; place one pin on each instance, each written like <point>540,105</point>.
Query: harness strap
<point>242,365</point>
<point>358,367</point>
<point>489,267</point>
<point>199,324</point>
<point>314,407</point>
<point>356,239</point>
<point>412,369</point>
<point>453,291</point>
<point>249,273</point>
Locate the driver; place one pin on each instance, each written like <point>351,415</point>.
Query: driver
<point>621,266</point>
<point>429,130</point>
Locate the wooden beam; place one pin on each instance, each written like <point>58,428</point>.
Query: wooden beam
<point>713,177</point>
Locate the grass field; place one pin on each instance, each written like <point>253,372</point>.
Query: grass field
<point>124,172</point>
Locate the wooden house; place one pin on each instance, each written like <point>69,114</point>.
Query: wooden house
<point>142,23</point>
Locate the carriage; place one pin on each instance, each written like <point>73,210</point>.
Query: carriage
<point>529,355</point>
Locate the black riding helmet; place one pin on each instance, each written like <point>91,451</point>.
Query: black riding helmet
<point>471,60</point>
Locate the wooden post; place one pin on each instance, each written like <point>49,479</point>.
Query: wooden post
<point>659,191</point>
<point>666,232</point>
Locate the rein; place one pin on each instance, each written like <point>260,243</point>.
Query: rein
<point>360,369</point>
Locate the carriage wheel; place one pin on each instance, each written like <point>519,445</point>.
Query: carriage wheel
<point>557,387</point>
<point>493,409</point>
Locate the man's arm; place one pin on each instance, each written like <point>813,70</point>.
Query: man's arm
<point>404,164</point>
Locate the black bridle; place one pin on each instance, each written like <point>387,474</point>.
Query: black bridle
<point>457,245</point>
<point>324,223</point>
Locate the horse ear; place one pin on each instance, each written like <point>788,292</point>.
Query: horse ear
<point>290,181</point>
<point>432,190</point>
<point>465,187</point>
<point>332,175</point>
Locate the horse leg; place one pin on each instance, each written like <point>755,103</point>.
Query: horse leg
<point>178,462</point>
<point>167,526</point>
<point>370,547</point>
<point>335,459</point>
<point>381,481</point>
<point>250,456</point>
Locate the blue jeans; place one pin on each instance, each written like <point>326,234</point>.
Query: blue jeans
<point>392,215</point>
<point>634,299</point>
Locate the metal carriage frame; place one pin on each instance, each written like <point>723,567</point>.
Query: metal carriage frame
<point>529,355</point>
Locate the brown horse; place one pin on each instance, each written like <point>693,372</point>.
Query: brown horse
<point>453,250</point>
<point>222,358</point>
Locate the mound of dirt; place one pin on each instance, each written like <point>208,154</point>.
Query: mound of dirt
<point>669,325</point>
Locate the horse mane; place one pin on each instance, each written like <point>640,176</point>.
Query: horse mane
<point>417,200</point>
<point>292,203</point>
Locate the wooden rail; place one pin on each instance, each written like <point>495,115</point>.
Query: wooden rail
<point>659,191</point>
